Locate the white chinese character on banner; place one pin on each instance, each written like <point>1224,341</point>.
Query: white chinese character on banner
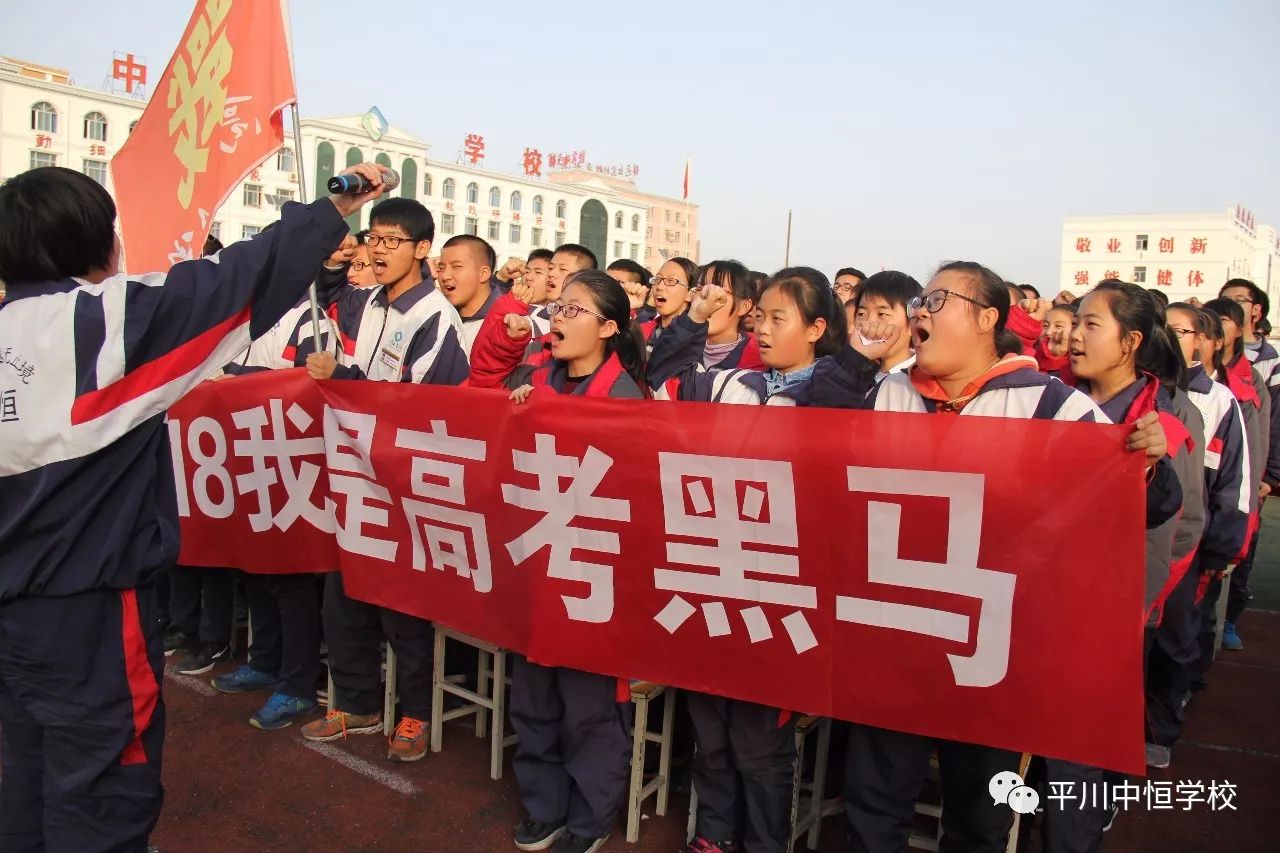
<point>733,502</point>
<point>299,481</point>
<point>348,443</point>
<point>959,575</point>
<point>560,509</point>
<point>446,528</point>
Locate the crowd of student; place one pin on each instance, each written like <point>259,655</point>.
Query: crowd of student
<point>1197,384</point>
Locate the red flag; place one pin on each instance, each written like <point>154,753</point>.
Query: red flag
<point>686,179</point>
<point>214,117</point>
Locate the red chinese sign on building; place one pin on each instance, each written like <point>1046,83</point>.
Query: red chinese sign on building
<point>637,553</point>
<point>568,160</point>
<point>131,70</point>
<point>1166,244</point>
<point>1082,277</point>
<point>533,163</point>
<point>44,140</point>
<point>1199,245</point>
<point>1084,244</point>
<point>1113,245</point>
<point>1164,278</point>
<point>473,148</point>
<point>1195,278</point>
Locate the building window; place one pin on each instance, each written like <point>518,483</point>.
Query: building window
<point>559,238</point>
<point>635,222</point>
<point>449,187</point>
<point>132,125</point>
<point>446,224</point>
<point>560,208</point>
<point>1142,243</point>
<point>537,238</point>
<point>537,204</point>
<point>44,117</point>
<point>472,226</point>
<point>495,197</point>
<point>1140,273</point>
<point>617,219</point>
<point>95,127</point>
<point>40,159</point>
<point>426,183</point>
<point>282,196</point>
<point>648,252</point>
<point>215,231</point>
<point>515,234</point>
<point>648,231</point>
<point>635,251</point>
<point>679,218</point>
<point>516,200</point>
<point>248,231</point>
<point>284,160</point>
<point>96,169</point>
<point>495,230</point>
<point>473,193</point>
<point>668,214</point>
<point>617,248</point>
<point>252,195</point>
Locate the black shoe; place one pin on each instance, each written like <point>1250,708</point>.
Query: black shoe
<point>532,835</point>
<point>178,640</point>
<point>203,658</point>
<point>570,843</point>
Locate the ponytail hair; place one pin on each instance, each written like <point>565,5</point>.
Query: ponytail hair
<point>1007,343</point>
<point>1136,310</point>
<point>811,292</point>
<point>1214,332</point>
<point>991,289</point>
<point>611,300</point>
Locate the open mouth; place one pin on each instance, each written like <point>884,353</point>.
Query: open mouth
<point>556,336</point>
<point>1076,353</point>
<point>659,301</point>
<point>379,267</point>
<point>921,336</point>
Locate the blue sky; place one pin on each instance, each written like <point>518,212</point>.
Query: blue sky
<point>901,134</point>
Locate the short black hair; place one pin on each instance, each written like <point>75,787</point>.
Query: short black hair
<point>486,251</point>
<point>408,214</point>
<point>896,288</point>
<point>579,251</point>
<point>850,271</point>
<point>1257,294</point>
<point>741,286</point>
<point>1160,296</point>
<point>361,234</point>
<point>1025,287</point>
<point>55,223</point>
<point>630,266</point>
<point>540,255</point>
<point>212,245</point>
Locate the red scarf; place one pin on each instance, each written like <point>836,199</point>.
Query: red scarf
<point>598,384</point>
<point>1176,435</point>
<point>750,359</point>
<point>1027,328</point>
<point>1239,378</point>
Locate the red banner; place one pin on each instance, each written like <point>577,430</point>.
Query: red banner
<point>214,117</point>
<point>927,574</point>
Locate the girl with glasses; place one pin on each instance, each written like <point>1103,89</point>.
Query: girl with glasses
<point>966,366</point>
<point>671,292</point>
<point>573,757</point>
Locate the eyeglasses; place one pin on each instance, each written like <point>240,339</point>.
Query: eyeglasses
<point>570,311</point>
<point>669,282</point>
<point>360,266</point>
<point>934,300</point>
<point>844,287</point>
<point>1181,333</point>
<point>1243,300</point>
<point>391,241</point>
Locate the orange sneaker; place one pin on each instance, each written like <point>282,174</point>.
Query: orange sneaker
<point>339,724</point>
<point>409,743</point>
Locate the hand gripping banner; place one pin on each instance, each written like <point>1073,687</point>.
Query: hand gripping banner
<point>900,570</point>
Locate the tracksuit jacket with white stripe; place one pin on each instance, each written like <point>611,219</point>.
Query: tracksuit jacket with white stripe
<point>87,498</point>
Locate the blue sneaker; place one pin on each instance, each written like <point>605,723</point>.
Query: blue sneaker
<point>280,711</point>
<point>242,679</point>
<point>1230,639</point>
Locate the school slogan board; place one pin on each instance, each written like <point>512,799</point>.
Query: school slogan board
<point>908,571</point>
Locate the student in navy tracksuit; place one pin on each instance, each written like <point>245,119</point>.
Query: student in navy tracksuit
<point>884,297</point>
<point>1234,372</point>
<point>671,294</point>
<point>966,366</point>
<point>1051,349</point>
<point>466,266</point>
<point>403,330</point>
<point>1265,359</point>
<point>742,770</point>
<point>574,751</point>
<point>1227,500</point>
<point>1126,360</point>
<point>88,508</point>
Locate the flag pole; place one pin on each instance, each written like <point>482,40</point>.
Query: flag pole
<point>688,221</point>
<point>297,162</point>
<point>786,262</point>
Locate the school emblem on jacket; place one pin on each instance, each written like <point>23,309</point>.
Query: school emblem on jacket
<point>393,353</point>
